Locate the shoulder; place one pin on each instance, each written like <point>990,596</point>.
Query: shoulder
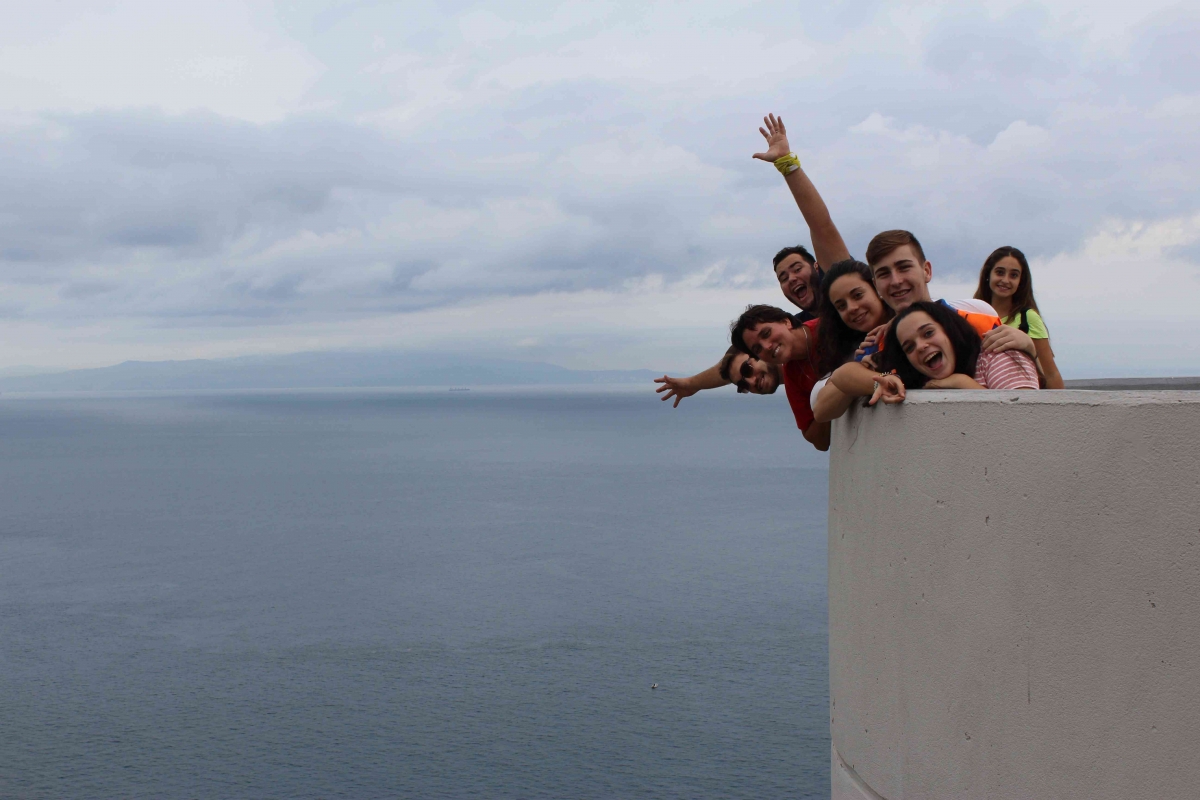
<point>972,307</point>
<point>1037,326</point>
<point>1010,369</point>
<point>811,327</point>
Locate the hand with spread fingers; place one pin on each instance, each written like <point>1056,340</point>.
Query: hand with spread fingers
<point>677,388</point>
<point>776,136</point>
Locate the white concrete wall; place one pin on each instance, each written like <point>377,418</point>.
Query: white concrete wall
<point>1014,597</point>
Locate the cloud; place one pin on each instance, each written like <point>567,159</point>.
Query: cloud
<point>241,170</point>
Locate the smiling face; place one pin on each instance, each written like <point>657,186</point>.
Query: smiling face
<point>1005,277</point>
<point>856,302</point>
<point>901,278</point>
<point>926,345</point>
<point>753,376</point>
<point>773,342</point>
<point>797,279</point>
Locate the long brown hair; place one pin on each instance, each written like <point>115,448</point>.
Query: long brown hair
<point>1022,299</point>
<point>837,341</point>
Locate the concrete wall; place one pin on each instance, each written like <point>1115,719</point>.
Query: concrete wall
<point>1014,596</point>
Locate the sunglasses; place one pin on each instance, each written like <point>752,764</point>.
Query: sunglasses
<point>747,372</point>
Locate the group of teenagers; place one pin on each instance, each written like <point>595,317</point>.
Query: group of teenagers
<point>871,329</point>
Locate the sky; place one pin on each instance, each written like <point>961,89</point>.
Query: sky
<point>572,182</point>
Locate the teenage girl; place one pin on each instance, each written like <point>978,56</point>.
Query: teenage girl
<point>1006,283</point>
<point>930,346</point>
<point>850,308</point>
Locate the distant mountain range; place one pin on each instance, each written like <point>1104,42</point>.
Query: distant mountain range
<point>315,371</point>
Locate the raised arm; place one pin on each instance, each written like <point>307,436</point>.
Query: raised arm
<point>827,242</point>
<point>680,388</point>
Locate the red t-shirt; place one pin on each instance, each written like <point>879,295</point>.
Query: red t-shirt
<point>799,377</point>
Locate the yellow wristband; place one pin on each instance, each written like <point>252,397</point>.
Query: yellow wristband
<point>788,164</point>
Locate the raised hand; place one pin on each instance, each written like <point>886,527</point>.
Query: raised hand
<point>678,388</point>
<point>776,136</point>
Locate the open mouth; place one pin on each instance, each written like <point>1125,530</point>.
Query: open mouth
<point>934,361</point>
<point>776,350</point>
<point>799,289</point>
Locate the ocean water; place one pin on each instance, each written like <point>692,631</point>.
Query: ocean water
<point>411,594</point>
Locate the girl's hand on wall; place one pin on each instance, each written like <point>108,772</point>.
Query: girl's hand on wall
<point>889,389</point>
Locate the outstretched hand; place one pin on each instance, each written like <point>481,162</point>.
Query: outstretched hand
<point>889,389</point>
<point>776,136</point>
<point>678,388</point>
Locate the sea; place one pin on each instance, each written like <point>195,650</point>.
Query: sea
<point>411,593</point>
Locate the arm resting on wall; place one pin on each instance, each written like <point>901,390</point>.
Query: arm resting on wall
<point>831,403</point>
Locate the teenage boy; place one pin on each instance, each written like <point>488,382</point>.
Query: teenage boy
<point>750,375</point>
<point>902,275</point>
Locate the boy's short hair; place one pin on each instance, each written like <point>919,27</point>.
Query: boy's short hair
<point>884,243</point>
<point>798,250</point>
<point>754,315</point>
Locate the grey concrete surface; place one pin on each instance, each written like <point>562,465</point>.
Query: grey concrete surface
<point>1139,384</point>
<point>1014,596</point>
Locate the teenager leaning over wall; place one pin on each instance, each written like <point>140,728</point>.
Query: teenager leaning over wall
<point>851,308</point>
<point>1007,284</point>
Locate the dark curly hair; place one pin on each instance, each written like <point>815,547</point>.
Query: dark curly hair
<point>752,317</point>
<point>964,341</point>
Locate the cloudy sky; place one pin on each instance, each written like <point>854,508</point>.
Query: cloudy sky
<point>573,182</point>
